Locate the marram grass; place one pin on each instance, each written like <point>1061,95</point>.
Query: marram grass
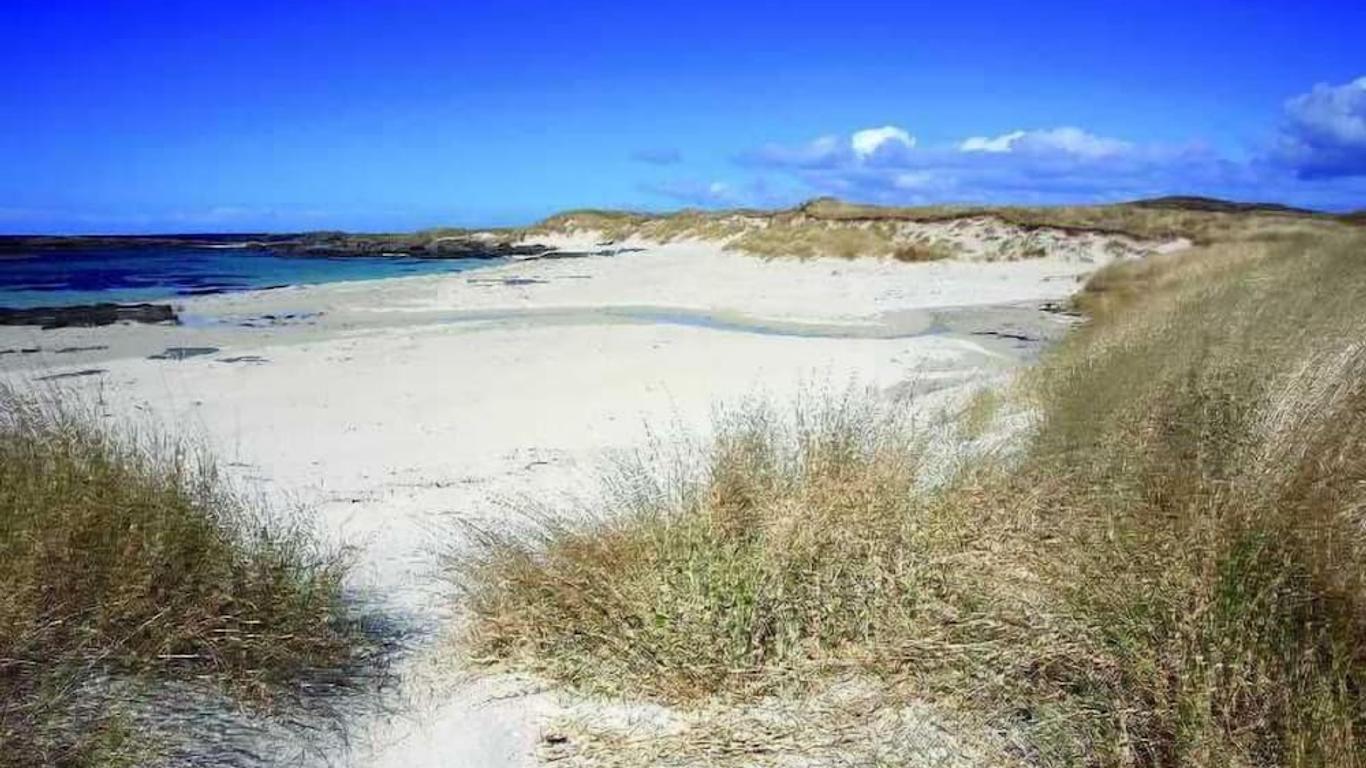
<point>123,553</point>
<point>1170,574</point>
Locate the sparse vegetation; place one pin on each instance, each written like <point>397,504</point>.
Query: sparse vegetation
<point>981,408</point>
<point>1171,573</point>
<point>913,252</point>
<point>126,555</point>
<point>829,227</point>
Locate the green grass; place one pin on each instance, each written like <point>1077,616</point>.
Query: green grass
<point>125,554</point>
<point>1171,574</point>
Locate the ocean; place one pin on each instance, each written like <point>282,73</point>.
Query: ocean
<point>160,274</point>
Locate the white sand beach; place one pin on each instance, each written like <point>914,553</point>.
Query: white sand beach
<point>388,409</point>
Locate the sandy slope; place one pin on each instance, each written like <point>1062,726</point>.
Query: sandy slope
<point>388,409</point>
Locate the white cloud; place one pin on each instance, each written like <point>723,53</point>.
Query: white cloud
<point>1318,161</point>
<point>1325,132</point>
<point>1073,141</point>
<point>1065,140</point>
<point>1053,165</point>
<point>1001,143</point>
<point>867,142</point>
<point>1336,112</point>
<point>821,152</point>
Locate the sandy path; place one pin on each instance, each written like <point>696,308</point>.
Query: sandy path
<point>388,409</point>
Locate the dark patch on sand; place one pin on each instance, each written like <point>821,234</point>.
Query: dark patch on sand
<point>180,353</point>
<point>73,374</point>
<point>507,281</point>
<point>1059,308</point>
<point>1006,335</point>
<point>253,359</point>
<point>585,254</point>
<point>272,320</point>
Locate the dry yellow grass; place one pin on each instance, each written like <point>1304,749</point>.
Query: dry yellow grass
<point>1171,574</point>
<point>828,227</point>
<point>124,555</point>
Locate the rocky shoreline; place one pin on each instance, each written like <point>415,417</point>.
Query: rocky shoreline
<point>439,244</point>
<point>89,315</point>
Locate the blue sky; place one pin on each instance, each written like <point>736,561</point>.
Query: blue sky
<point>178,116</point>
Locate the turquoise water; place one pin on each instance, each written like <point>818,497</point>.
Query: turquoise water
<point>159,274</point>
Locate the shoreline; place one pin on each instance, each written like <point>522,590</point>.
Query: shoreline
<point>93,300</point>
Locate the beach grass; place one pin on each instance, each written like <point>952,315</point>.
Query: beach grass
<point>831,227</point>
<point>124,554</point>
<point>703,581</point>
<point>1169,573</point>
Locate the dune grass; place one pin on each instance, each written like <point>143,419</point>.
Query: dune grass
<point>1172,573</point>
<point>125,554</point>
<point>831,227</point>
<point>1202,447</point>
<point>731,577</point>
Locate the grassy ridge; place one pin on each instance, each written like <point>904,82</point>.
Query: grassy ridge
<point>1202,450</point>
<point>125,554</point>
<point>831,227</point>
<point>1172,574</point>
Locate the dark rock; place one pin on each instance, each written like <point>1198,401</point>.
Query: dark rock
<point>458,245</point>
<point>88,315</point>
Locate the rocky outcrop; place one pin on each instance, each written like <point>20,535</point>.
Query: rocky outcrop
<point>441,244</point>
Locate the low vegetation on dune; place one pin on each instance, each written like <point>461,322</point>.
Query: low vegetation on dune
<point>830,227</point>
<point>693,585</point>
<point>1170,571</point>
<point>123,556</point>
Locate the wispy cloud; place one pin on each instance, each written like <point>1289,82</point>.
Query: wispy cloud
<point>821,152</point>
<point>754,192</point>
<point>1066,140</point>
<point>658,156</point>
<point>705,194</point>
<point>226,218</point>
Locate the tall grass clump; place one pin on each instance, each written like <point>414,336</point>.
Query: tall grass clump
<point>1202,449</point>
<point>1172,572</point>
<point>788,544</point>
<point>126,555</point>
